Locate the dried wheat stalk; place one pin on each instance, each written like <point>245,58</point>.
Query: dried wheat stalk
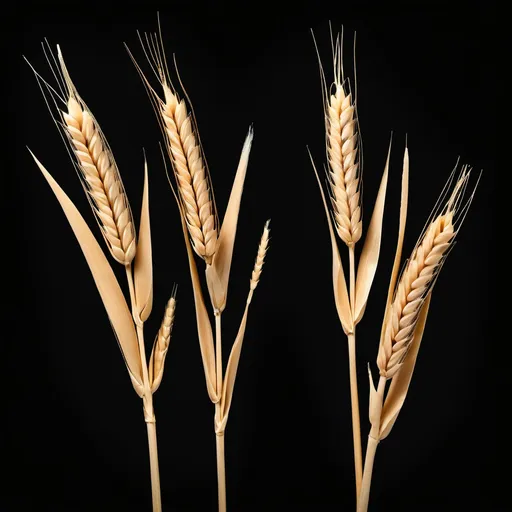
<point>203,234</point>
<point>406,315</point>
<point>103,185</point>
<point>344,182</point>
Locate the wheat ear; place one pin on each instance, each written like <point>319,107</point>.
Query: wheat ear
<point>161,346</point>
<point>342,157</point>
<point>260,257</point>
<point>191,176</point>
<point>416,282</point>
<point>100,175</point>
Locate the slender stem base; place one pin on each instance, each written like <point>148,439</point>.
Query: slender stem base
<point>147,400</point>
<point>221,472</point>
<point>354,397</point>
<point>153,462</point>
<point>364,497</point>
<point>354,401</point>
<point>219,436</point>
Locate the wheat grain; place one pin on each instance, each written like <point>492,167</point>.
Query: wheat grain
<point>342,152</point>
<point>156,364</point>
<point>189,167</point>
<point>100,175</point>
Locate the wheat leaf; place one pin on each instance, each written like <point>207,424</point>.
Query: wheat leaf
<point>370,255</point>
<point>143,271</point>
<point>204,327</point>
<point>218,273</point>
<point>232,367</point>
<point>106,282</point>
<point>400,383</point>
<point>338,276</point>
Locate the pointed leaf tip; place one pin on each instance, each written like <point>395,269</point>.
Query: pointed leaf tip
<point>217,274</point>
<point>106,282</point>
<point>370,255</point>
<point>143,270</point>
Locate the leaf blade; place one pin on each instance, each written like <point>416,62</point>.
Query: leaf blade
<point>105,279</point>
<point>371,250</point>
<point>338,276</point>
<point>143,268</point>
<point>218,273</point>
<point>204,327</point>
<point>231,369</point>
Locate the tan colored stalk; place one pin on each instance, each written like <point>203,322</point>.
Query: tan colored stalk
<point>405,319</point>
<point>103,185</point>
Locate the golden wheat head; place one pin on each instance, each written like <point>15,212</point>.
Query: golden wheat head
<point>99,174</point>
<point>417,281</point>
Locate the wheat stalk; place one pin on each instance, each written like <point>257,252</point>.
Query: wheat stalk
<point>186,157</point>
<point>406,315</point>
<point>102,182</point>
<point>100,175</point>
<point>194,195</point>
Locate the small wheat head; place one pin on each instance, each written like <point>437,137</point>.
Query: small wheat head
<point>260,258</point>
<point>100,175</point>
<point>417,281</point>
<point>163,339</point>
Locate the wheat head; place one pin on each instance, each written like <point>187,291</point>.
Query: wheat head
<point>342,156</point>
<point>416,282</point>
<point>163,338</point>
<point>260,257</point>
<point>100,176</point>
<point>191,174</point>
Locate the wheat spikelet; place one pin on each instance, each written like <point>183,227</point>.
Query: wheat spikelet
<point>190,170</point>
<point>100,175</point>
<point>416,282</point>
<point>342,152</point>
<point>260,257</point>
<point>163,338</point>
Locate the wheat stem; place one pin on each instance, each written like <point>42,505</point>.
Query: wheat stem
<point>354,396</point>
<point>373,441</point>
<point>219,435</point>
<point>149,415</point>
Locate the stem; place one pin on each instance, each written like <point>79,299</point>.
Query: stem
<point>221,470</point>
<point>364,497</point>
<point>354,398</point>
<point>149,415</point>
<point>373,441</point>
<point>221,465</point>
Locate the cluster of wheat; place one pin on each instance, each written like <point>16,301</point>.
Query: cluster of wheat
<point>408,301</point>
<point>213,242</point>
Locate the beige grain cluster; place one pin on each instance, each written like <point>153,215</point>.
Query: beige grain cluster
<point>342,138</point>
<point>415,283</point>
<point>260,257</point>
<point>163,338</point>
<point>190,170</point>
<point>103,181</point>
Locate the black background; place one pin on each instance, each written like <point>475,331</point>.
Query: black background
<point>75,436</point>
